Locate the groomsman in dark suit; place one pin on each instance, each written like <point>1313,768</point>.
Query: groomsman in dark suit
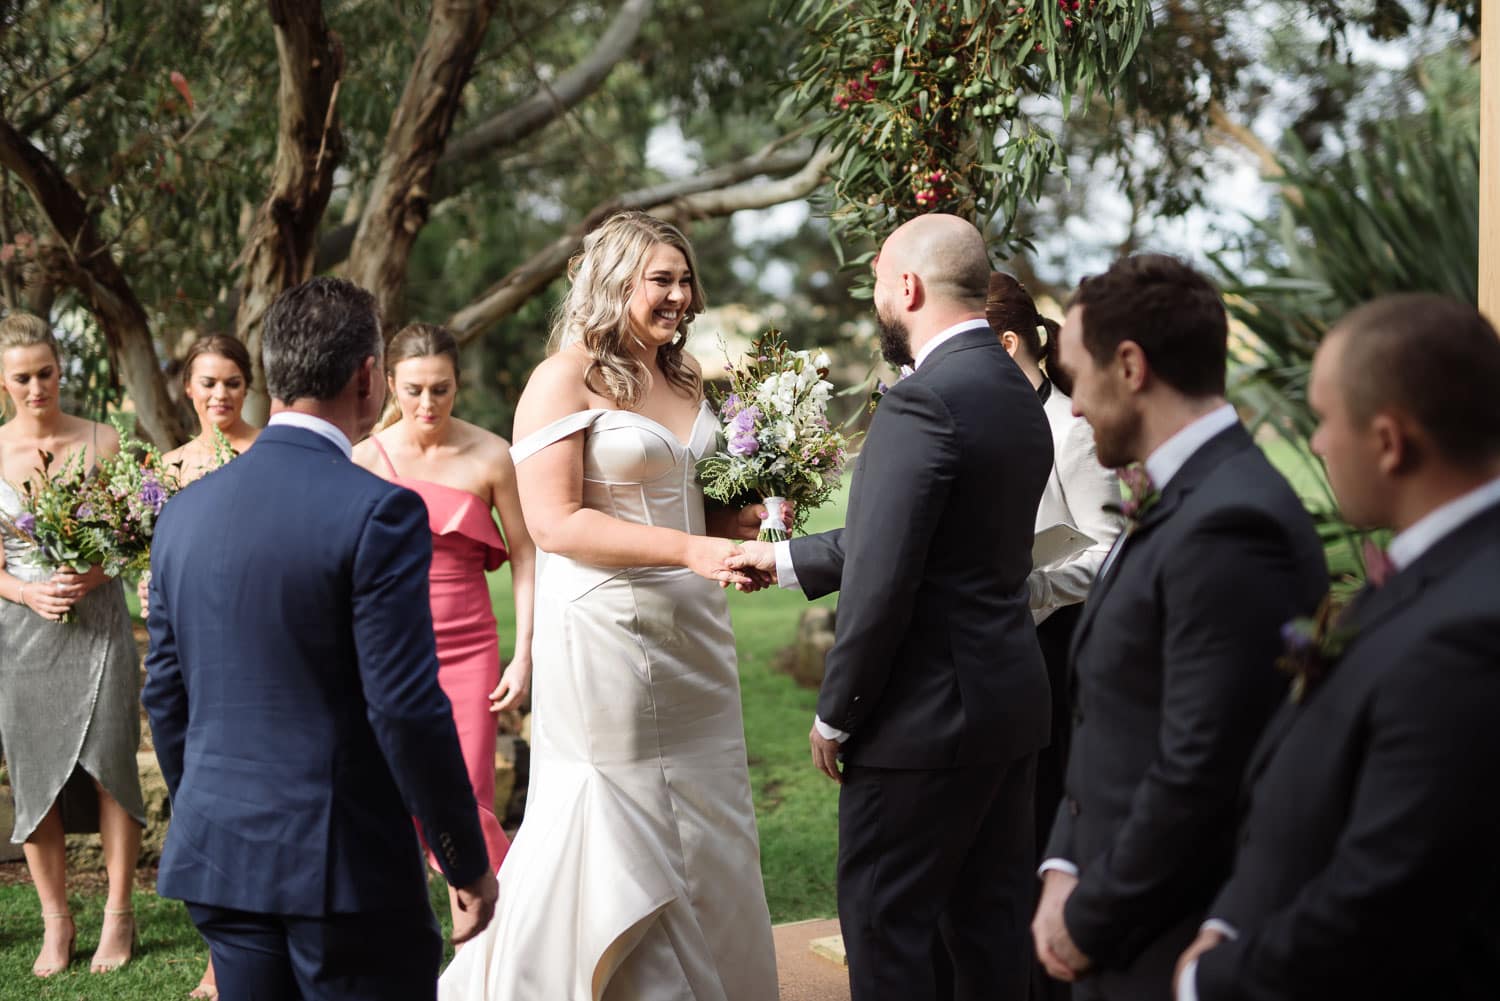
<point>934,700</point>
<point>1174,659</point>
<point>293,692</point>
<point>1366,865</point>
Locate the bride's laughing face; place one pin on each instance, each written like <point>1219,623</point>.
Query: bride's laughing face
<point>661,297</point>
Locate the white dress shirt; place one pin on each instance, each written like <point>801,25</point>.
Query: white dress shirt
<point>1404,550</point>
<point>786,571</point>
<point>1161,465</point>
<point>317,425</point>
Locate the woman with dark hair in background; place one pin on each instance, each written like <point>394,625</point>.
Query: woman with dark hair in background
<point>1077,494</point>
<point>215,379</point>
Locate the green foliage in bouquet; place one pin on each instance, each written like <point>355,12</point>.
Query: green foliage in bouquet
<point>778,439</point>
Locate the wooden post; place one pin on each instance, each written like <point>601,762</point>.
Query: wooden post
<point>1489,161</point>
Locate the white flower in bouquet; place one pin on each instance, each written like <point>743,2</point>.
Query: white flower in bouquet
<point>779,444</point>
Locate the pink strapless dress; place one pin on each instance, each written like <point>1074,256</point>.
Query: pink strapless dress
<point>466,544</point>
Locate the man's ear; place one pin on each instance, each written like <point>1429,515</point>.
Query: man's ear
<point>913,293</point>
<point>366,376</point>
<point>1010,342</point>
<point>1396,450</point>
<point>1131,363</point>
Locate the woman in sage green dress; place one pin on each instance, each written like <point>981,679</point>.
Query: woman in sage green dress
<point>69,692</point>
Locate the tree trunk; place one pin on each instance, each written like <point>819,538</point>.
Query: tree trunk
<point>94,272</point>
<point>279,250</point>
<point>502,131</point>
<point>399,198</point>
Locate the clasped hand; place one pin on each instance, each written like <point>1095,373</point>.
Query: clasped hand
<point>750,566</point>
<point>55,597</point>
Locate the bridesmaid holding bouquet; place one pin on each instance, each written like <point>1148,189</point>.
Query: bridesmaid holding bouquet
<point>216,379</point>
<point>463,473</point>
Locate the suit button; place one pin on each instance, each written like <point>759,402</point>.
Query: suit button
<point>1073,808</point>
<point>856,698</point>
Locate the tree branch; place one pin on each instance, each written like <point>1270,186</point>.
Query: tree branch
<point>503,130</point>
<point>714,193</point>
<point>94,272</point>
<point>551,101</point>
<point>399,198</point>
<point>278,252</point>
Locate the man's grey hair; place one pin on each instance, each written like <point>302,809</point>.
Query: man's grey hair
<point>316,335</point>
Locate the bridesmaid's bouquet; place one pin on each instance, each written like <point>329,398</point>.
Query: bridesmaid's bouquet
<point>76,517</point>
<point>780,446</point>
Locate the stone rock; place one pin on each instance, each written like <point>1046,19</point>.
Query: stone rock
<point>805,659</point>
<point>8,851</point>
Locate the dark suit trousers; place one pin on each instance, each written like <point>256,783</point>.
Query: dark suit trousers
<point>937,865</point>
<point>1055,635</point>
<point>376,956</point>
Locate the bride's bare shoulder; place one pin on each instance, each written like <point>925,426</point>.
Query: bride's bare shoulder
<point>555,389</point>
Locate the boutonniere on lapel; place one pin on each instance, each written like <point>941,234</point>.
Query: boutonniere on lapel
<point>1137,495</point>
<point>878,393</point>
<point>1312,645</point>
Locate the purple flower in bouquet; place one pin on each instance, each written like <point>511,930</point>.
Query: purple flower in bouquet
<point>84,511</point>
<point>26,522</point>
<point>742,440</point>
<point>153,494</point>
<point>731,407</point>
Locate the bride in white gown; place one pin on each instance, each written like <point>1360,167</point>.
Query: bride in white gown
<point>636,873</point>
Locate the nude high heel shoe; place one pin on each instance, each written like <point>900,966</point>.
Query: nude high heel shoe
<point>37,968</point>
<point>108,964</point>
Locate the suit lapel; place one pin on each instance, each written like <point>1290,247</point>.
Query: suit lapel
<point>1199,466</point>
<point>1373,608</point>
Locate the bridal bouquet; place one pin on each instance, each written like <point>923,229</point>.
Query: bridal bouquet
<point>780,446</point>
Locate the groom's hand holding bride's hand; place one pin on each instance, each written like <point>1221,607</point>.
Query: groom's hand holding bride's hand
<point>476,906</point>
<point>758,561</point>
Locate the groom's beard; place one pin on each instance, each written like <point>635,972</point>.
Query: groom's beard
<point>895,342</point>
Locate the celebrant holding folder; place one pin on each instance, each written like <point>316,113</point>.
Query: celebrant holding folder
<point>1079,494</point>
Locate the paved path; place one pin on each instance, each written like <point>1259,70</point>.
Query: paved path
<point>805,976</point>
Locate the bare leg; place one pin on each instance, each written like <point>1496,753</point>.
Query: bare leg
<point>121,836</point>
<point>47,860</point>
<point>208,987</point>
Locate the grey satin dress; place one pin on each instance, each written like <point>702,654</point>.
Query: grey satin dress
<point>636,873</point>
<point>69,699</point>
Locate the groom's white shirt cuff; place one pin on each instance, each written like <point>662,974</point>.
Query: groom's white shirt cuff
<point>829,733</point>
<point>1060,864</point>
<point>786,571</point>
<point>1187,984</point>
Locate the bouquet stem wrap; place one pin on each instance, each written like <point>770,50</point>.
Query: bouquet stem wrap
<point>773,525</point>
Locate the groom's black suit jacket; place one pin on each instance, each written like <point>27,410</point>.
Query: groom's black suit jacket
<point>936,663</point>
<point>1174,680</point>
<point>1367,864</point>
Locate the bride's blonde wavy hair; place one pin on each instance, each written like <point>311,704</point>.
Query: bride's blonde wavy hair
<point>595,312</point>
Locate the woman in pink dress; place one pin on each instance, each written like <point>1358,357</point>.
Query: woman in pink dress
<point>462,472</point>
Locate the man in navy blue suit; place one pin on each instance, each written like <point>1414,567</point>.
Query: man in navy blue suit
<point>293,694</point>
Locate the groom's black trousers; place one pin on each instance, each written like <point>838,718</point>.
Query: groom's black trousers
<point>933,865</point>
<point>388,955</point>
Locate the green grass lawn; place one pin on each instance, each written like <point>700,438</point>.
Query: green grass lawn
<point>796,807</point>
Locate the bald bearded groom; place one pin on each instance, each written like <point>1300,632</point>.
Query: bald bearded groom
<point>935,698</point>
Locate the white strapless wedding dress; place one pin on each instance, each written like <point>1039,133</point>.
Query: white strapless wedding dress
<point>636,873</point>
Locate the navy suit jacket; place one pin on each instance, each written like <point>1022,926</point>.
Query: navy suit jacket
<point>935,662</point>
<point>292,690</point>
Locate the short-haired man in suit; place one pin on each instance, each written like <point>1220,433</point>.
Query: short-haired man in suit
<point>1366,864</point>
<point>1174,660</point>
<point>293,693</point>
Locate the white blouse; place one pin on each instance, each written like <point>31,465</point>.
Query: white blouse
<point>1076,495</point>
